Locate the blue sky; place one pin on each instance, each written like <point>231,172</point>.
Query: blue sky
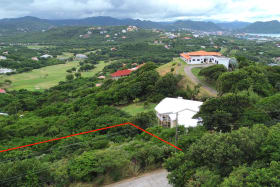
<point>157,10</point>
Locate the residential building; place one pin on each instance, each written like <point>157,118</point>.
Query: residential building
<point>46,56</point>
<point>121,73</point>
<point>3,58</point>
<point>168,109</point>
<point>5,70</point>
<point>81,57</point>
<point>203,57</point>
<point>34,59</point>
<point>2,91</point>
<point>102,77</point>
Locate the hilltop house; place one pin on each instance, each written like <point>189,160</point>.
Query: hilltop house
<point>203,57</point>
<point>168,109</point>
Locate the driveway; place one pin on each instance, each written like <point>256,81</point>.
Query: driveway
<point>188,71</point>
<point>156,178</point>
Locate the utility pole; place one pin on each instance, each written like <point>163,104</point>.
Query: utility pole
<point>176,135</point>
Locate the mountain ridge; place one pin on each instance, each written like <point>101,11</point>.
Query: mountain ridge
<point>33,24</point>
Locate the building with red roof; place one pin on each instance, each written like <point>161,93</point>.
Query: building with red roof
<point>2,91</point>
<point>204,57</point>
<point>121,73</point>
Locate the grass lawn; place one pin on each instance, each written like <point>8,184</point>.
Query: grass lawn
<point>137,108</point>
<point>38,46</point>
<point>66,55</point>
<point>46,77</point>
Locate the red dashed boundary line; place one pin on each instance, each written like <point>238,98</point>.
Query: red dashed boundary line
<point>128,123</point>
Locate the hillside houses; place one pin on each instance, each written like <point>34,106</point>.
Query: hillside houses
<point>203,57</point>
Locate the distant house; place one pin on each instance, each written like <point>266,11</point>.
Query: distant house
<point>3,114</point>
<point>203,57</point>
<point>102,77</point>
<point>3,58</point>
<point>34,59</point>
<point>5,70</point>
<point>5,53</point>
<point>166,112</point>
<point>46,56</point>
<point>81,57</point>
<point>121,73</point>
<point>2,91</point>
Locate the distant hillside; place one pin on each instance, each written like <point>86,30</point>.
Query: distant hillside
<point>24,24</point>
<point>197,25</point>
<point>270,27</point>
<point>31,24</point>
<point>233,25</point>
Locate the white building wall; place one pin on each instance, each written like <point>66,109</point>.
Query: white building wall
<point>206,60</point>
<point>224,61</point>
<point>196,60</point>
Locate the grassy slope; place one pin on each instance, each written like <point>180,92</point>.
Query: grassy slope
<point>46,77</point>
<point>179,69</point>
<point>196,71</point>
<point>136,108</point>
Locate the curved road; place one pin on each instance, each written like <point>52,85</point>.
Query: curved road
<point>156,178</point>
<point>188,71</point>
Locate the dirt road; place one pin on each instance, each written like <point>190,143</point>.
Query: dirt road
<point>153,179</point>
<point>188,71</point>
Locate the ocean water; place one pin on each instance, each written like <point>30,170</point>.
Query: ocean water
<point>266,35</point>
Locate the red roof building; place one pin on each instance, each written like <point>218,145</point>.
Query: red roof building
<point>2,91</point>
<point>121,73</point>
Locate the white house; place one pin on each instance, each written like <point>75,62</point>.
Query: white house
<point>203,57</point>
<point>166,112</point>
<point>46,56</point>
<point>3,58</point>
<point>81,56</point>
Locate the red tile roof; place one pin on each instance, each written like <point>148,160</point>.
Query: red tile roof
<point>121,73</point>
<point>184,55</point>
<point>2,91</point>
<point>203,53</point>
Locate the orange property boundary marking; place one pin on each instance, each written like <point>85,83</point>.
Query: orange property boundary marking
<point>128,123</point>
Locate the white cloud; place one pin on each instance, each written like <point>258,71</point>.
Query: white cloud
<point>246,10</point>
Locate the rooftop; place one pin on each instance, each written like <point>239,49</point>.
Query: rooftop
<point>121,73</point>
<point>201,53</point>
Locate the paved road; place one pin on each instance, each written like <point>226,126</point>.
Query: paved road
<point>156,178</point>
<point>188,71</point>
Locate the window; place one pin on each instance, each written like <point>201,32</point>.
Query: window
<point>198,59</point>
<point>193,59</point>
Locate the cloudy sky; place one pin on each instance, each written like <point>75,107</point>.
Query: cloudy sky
<point>156,10</point>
